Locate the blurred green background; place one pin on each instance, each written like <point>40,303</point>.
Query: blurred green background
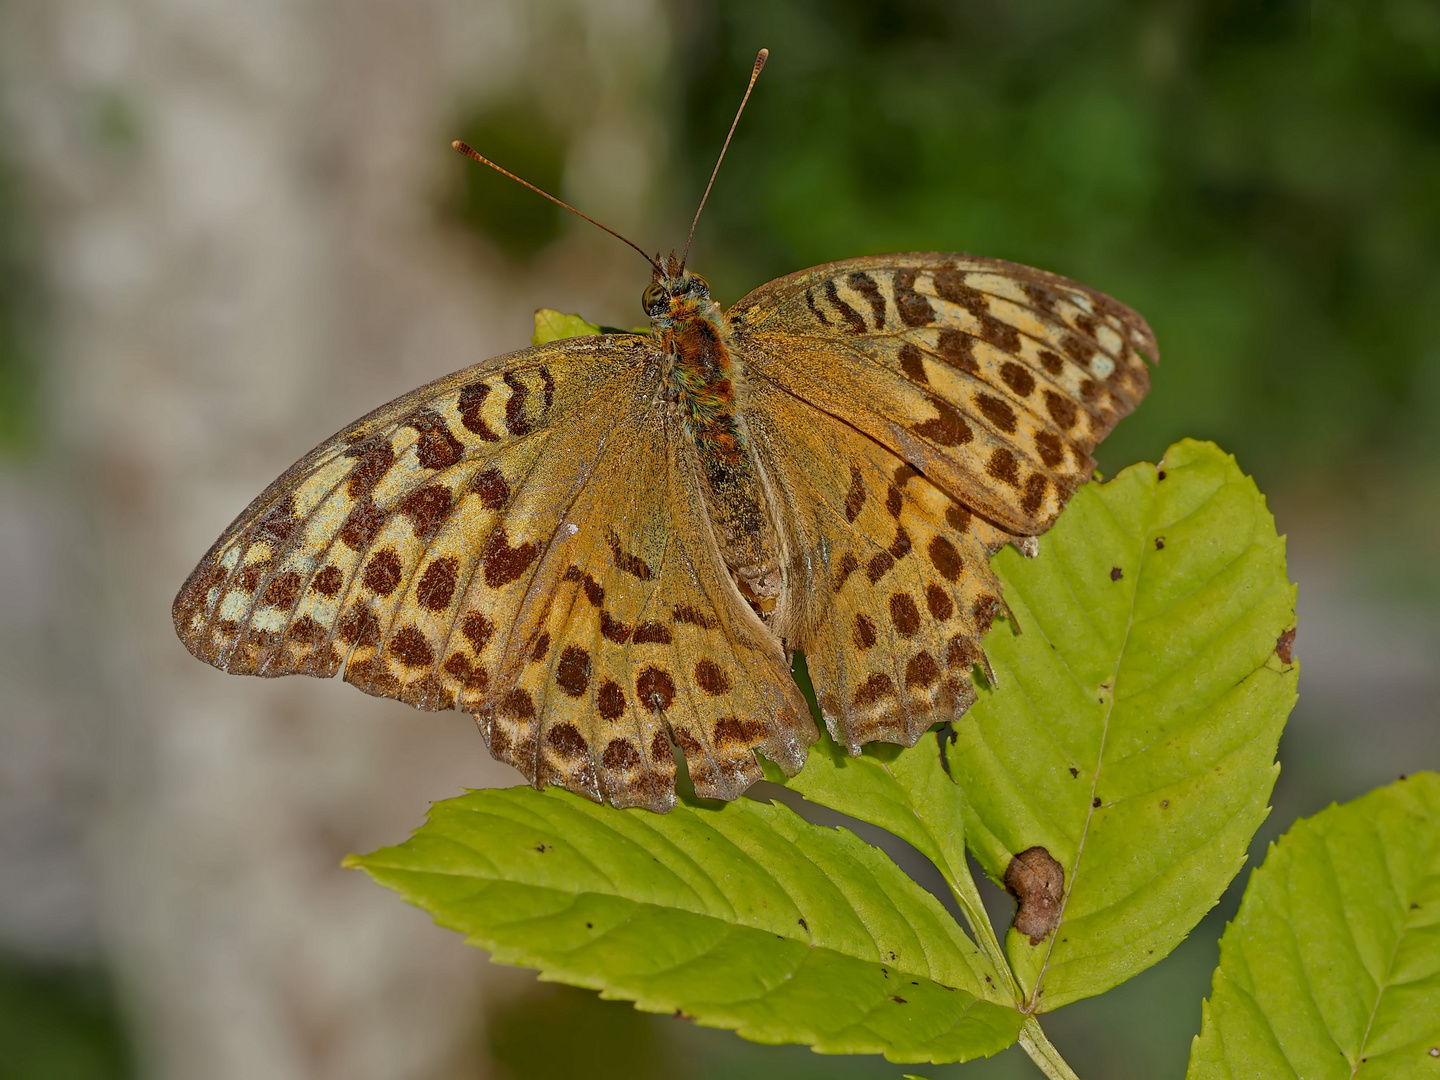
<point>1260,178</point>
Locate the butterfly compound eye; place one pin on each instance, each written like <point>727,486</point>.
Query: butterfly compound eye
<point>653,299</point>
<point>699,285</point>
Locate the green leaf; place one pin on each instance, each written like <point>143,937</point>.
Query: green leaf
<point>552,325</point>
<point>1332,967</point>
<point>743,917</point>
<point>1138,701</point>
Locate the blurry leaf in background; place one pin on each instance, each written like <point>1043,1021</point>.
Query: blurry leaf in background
<point>19,319</point>
<point>1263,184</point>
<point>559,1032</point>
<point>59,1023</point>
<point>518,136</point>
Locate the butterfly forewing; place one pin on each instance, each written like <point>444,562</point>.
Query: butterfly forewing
<point>994,380</point>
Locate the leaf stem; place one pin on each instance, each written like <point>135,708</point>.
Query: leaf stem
<point>962,887</point>
<point>1042,1051</point>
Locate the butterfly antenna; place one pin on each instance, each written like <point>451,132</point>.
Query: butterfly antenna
<point>760,58</point>
<point>475,155</point>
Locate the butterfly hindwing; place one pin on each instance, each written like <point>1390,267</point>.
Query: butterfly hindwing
<point>994,380</point>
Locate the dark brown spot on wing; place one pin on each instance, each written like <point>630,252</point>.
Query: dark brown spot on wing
<point>437,583</point>
<point>1002,466</point>
<point>279,523</point>
<point>375,460</point>
<point>655,688</point>
<point>565,739</point>
<point>328,581</point>
<point>624,561</point>
<point>864,632</point>
<point>1061,410</point>
<point>938,602</point>
<point>711,678</point>
<point>1052,451</point>
<point>477,630</point>
<point>547,382</point>
<point>912,364</point>
<point>651,633</point>
<point>594,591</point>
<point>997,412</point>
<point>1034,498</point>
<point>865,285</point>
<point>516,422</point>
<point>471,676</point>
<point>1017,378</point>
<point>900,546</point>
<point>362,524</point>
<point>921,671</point>
<point>411,649</point>
<point>472,401</point>
<point>984,611</point>
<point>612,629</point>
<point>879,566</point>
<point>283,590</point>
<point>517,705</point>
<point>490,485</point>
<point>541,648</point>
<point>427,510</point>
<point>359,627</point>
<point>947,429</point>
<point>957,517</point>
<point>877,686</point>
<point>684,614</point>
<point>610,703</point>
<point>945,558</point>
<point>814,308</point>
<point>382,572</point>
<point>852,317</point>
<point>437,447</point>
<point>914,309</point>
<point>620,754</point>
<point>904,616</point>
<point>573,671</point>
<point>732,732</point>
<point>958,350</point>
<point>855,497</point>
<point>848,565</point>
<point>503,563</point>
<point>1051,362</point>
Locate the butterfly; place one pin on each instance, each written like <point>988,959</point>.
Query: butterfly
<point>608,548</point>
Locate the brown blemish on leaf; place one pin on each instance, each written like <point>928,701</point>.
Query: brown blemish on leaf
<point>1159,543</point>
<point>1037,881</point>
<point>1116,573</point>
<point>1285,645</point>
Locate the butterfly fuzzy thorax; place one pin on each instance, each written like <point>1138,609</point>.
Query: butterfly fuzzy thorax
<point>607,548</point>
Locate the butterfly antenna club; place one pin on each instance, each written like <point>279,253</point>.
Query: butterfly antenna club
<point>760,58</point>
<point>475,155</point>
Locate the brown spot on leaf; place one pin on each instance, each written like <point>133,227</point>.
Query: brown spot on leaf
<point>655,688</point>
<point>1037,881</point>
<point>565,739</point>
<point>283,589</point>
<point>711,678</point>
<point>573,672</point>
<point>610,701</point>
<point>939,602</point>
<point>1285,646</point>
<point>472,401</point>
<point>362,525</point>
<point>1116,573</point>
<point>411,649</point>
<point>503,563</point>
<point>864,632</point>
<point>877,686</point>
<point>490,485</point>
<point>1159,543</point>
<point>382,572</point>
<point>437,583</point>
<point>1017,378</point>
<point>620,754</point>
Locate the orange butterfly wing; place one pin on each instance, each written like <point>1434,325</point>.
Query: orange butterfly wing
<point>916,412</point>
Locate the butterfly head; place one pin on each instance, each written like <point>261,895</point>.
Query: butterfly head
<point>675,293</point>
